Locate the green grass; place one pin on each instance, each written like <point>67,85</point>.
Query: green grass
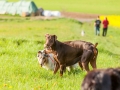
<point>21,38</point>
<point>82,6</point>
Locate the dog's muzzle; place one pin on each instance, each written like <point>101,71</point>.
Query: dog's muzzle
<point>47,47</point>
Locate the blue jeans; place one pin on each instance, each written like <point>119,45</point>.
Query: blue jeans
<point>97,31</point>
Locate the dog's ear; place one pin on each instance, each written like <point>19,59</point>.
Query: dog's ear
<point>55,37</point>
<point>46,35</point>
<point>39,53</point>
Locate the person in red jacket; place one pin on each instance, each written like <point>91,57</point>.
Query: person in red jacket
<point>105,26</point>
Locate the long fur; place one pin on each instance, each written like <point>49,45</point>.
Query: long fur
<point>49,64</point>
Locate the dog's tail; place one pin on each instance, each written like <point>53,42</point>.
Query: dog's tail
<point>95,45</point>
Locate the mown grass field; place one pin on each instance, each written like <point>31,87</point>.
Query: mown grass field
<point>21,38</point>
<point>82,6</point>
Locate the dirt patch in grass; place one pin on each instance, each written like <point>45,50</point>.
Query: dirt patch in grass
<point>79,16</point>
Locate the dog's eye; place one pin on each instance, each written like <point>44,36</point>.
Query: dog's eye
<point>46,55</point>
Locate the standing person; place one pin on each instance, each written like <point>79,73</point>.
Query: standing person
<point>105,26</point>
<point>97,26</point>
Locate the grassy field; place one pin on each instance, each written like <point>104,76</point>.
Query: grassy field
<point>21,38</point>
<point>82,6</point>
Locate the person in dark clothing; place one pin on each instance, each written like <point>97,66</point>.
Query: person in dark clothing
<point>105,26</point>
<point>97,26</point>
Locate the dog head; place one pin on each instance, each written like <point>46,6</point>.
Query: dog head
<point>50,41</point>
<point>42,57</point>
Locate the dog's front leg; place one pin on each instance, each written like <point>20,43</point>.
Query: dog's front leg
<point>57,66</point>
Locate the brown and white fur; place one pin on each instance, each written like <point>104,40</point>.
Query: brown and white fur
<point>47,61</point>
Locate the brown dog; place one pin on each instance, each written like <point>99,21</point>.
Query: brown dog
<point>70,52</point>
<point>102,79</point>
